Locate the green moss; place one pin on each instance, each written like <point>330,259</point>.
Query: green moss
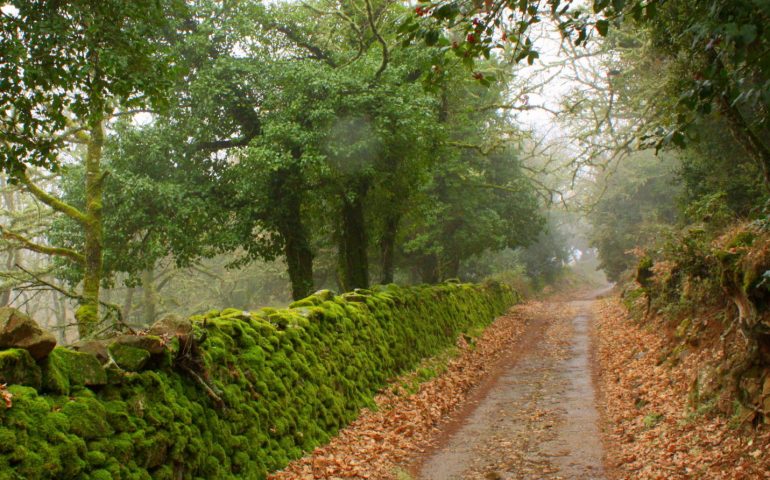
<point>290,379</point>
<point>129,358</point>
<point>87,417</point>
<point>65,368</point>
<point>101,475</point>
<point>18,367</point>
<point>652,420</point>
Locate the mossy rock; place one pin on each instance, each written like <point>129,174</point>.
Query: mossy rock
<point>154,344</point>
<point>235,313</point>
<point>315,299</point>
<point>65,368</point>
<point>87,418</point>
<point>171,325</point>
<point>18,367</point>
<point>286,387</point>
<point>355,297</point>
<point>18,330</point>
<point>96,348</point>
<point>129,358</point>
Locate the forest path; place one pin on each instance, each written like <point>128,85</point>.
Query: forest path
<point>535,416</point>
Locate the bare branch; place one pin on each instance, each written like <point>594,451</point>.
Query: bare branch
<point>376,32</point>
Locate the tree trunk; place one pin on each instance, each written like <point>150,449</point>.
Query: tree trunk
<point>60,311</point>
<point>87,314</point>
<point>387,249</point>
<point>450,268</point>
<point>10,205</point>
<point>287,187</point>
<point>354,259</point>
<point>128,305</point>
<point>300,261</point>
<point>429,269</point>
<point>149,297</point>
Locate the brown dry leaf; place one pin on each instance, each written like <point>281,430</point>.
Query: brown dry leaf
<point>648,433</point>
<point>6,395</point>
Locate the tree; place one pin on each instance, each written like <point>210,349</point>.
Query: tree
<point>636,202</point>
<point>68,68</point>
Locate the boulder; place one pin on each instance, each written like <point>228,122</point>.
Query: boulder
<point>97,348</point>
<point>17,330</point>
<point>17,367</point>
<point>65,368</point>
<point>129,358</point>
<point>152,343</point>
<point>172,326</point>
<point>355,297</point>
<point>313,300</point>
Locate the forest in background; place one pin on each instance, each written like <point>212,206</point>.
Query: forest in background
<point>211,159</point>
<point>234,154</point>
<point>180,156</point>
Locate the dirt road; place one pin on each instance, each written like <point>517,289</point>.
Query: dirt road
<point>535,416</point>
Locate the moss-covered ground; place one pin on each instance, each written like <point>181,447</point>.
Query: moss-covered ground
<point>287,379</point>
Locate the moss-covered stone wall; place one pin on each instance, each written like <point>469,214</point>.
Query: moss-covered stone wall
<point>271,385</point>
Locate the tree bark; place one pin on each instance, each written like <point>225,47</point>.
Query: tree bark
<point>387,249</point>
<point>60,311</point>
<point>87,314</point>
<point>429,269</point>
<point>149,296</point>
<point>450,268</point>
<point>353,250</point>
<point>287,189</point>
<point>10,205</point>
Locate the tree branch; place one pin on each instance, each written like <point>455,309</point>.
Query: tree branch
<point>79,298</point>
<point>376,32</point>
<point>44,249</point>
<point>52,201</point>
<point>297,39</point>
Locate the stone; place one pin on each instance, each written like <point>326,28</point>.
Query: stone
<point>129,358</point>
<point>17,367</point>
<point>313,300</point>
<point>354,297</point>
<point>152,343</point>
<point>171,325</point>
<point>97,348</point>
<point>18,330</point>
<point>65,368</point>
<point>236,313</point>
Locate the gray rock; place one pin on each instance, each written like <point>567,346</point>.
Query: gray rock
<point>172,326</point>
<point>152,343</point>
<point>17,330</point>
<point>97,348</point>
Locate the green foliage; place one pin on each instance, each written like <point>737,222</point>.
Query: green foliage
<point>289,379</point>
<point>638,204</point>
<point>711,166</point>
<point>77,58</point>
<point>329,144</point>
